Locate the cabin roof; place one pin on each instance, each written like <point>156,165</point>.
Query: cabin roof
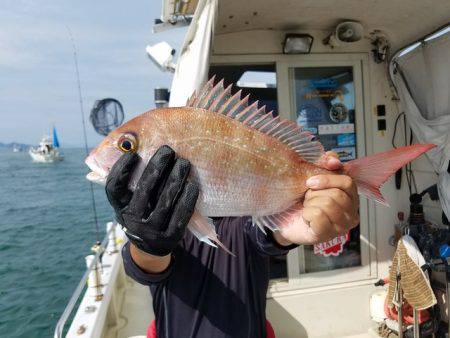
<point>403,21</point>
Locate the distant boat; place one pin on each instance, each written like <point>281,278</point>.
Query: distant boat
<point>17,148</point>
<point>47,151</point>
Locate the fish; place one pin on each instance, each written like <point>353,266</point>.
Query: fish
<point>246,161</point>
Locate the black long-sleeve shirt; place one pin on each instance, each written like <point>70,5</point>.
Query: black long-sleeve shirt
<point>206,292</point>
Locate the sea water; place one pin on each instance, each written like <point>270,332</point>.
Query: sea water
<point>46,230</point>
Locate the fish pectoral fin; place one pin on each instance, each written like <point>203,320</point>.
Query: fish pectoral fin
<point>203,228</point>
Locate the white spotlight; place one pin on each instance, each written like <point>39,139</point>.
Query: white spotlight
<point>161,55</point>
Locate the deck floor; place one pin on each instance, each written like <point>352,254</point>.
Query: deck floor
<point>136,312</point>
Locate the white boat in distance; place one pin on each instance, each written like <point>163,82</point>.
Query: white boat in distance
<point>47,151</point>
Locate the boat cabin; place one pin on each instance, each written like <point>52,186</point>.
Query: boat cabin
<point>332,66</point>
<point>327,65</point>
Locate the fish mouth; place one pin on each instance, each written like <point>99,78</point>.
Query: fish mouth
<point>96,178</point>
<point>99,173</point>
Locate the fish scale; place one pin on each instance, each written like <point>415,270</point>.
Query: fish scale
<point>245,161</point>
<point>239,166</point>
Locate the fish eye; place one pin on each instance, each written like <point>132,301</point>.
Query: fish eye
<point>127,143</point>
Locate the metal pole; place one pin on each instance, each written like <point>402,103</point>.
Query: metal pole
<point>94,280</point>
<point>111,247</point>
<point>447,291</point>
<point>80,98</point>
<point>399,306</point>
<point>416,323</point>
<point>79,289</point>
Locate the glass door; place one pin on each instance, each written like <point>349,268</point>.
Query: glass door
<point>326,97</point>
<point>324,101</point>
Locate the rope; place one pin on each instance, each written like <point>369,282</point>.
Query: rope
<point>91,185</point>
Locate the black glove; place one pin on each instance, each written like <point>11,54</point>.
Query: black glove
<point>156,214</point>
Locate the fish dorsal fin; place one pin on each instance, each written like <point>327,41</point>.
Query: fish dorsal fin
<point>218,99</point>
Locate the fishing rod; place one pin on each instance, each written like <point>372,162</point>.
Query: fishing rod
<point>80,97</point>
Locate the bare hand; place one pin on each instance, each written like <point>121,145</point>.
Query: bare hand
<point>331,205</point>
<point>330,208</point>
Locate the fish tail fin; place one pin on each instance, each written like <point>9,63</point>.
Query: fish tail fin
<point>203,228</point>
<point>370,172</point>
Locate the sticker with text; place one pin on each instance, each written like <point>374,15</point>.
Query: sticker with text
<point>342,128</point>
<point>333,247</point>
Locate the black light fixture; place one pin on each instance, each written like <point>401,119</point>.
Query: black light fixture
<point>297,43</point>
<point>162,96</point>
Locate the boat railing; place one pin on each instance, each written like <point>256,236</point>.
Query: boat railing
<point>92,275</point>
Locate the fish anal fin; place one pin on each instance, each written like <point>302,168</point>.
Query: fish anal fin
<point>278,221</point>
<point>290,223</point>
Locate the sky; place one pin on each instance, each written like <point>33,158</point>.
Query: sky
<point>37,76</point>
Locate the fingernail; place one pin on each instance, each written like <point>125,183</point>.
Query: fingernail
<point>312,182</point>
<point>334,160</point>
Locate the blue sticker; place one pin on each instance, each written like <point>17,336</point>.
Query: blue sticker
<point>323,83</point>
<point>344,140</point>
<point>312,130</point>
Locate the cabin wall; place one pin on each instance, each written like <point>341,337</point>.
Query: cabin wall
<point>342,309</point>
<point>271,42</point>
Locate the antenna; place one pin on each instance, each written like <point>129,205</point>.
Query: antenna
<point>80,97</point>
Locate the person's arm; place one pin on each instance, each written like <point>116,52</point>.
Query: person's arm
<point>330,208</point>
<point>281,240</point>
<point>149,263</point>
<point>265,243</point>
<point>154,216</point>
<point>144,274</point>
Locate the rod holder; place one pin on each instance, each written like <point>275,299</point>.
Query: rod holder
<point>94,280</point>
<point>111,247</point>
<point>400,305</point>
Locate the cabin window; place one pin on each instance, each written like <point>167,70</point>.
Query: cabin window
<point>257,80</point>
<point>324,100</point>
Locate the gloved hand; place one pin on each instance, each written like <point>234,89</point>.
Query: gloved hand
<point>156,214</point>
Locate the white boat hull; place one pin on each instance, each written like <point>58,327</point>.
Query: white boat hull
<point>40,157</point>
<point>46,152</point>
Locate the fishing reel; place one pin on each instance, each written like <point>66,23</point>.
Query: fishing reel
<point>433,241</point>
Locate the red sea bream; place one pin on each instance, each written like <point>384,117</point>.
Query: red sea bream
<point>246,161</point>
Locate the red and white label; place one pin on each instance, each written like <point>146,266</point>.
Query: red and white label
<point>333,247</point>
